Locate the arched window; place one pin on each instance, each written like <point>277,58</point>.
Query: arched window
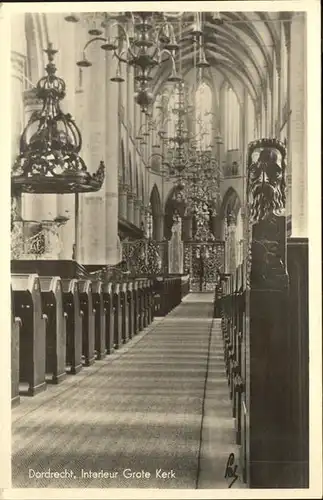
<point>203,115</point>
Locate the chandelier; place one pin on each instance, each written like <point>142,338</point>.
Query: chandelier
<point>187,161</point>
<point>144,41</point>
<point>49,160</point>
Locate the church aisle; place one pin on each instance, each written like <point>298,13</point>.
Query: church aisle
<point>140,414</point>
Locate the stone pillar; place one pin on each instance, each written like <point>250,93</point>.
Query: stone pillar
<point>137,214</point>
<point>66,205</point>
<point>130,209</point>
<point>112,151</point>
<point>123,204</point>
<point>297,140</point>
<point>158,227</point>
<point>98,239</point>
<point>93,213</point>
<point>143,218</point>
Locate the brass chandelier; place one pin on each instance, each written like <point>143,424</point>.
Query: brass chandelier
<point>49,160</point>
<point>193,168</point>
<point>144,40</point>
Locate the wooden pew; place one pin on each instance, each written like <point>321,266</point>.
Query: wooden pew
<point>158,296</point>
<point>124,312</point>
<point>74,325</point>
<point>100,317</point>
<point>145,303</point>
<point>117,316</point>
<point>52,300</point>
<point>131,308</point>
<point>88,330</point>
<point>32,355</point>
<point>150,302</point>
<point>135,308</point>
<point>15,334</point>
<point>140,301</point>
<point>109,324</point>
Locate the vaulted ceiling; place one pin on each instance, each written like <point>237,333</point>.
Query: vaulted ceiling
<point>241,47</point>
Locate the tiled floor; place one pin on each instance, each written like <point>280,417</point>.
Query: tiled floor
<point>156,414</point>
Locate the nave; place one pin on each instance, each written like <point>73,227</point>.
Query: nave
<point>146,407</point>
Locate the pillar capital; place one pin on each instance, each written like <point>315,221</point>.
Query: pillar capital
<point>123,188</point>
<point>131,195</point>
<point>138,203</point>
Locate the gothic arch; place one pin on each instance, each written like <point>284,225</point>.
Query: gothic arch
<point>171,205</point>
<point>231,203</point>
<point>155,201</point>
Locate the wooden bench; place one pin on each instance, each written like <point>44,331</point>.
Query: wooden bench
<point>15,334</point>
<point>52,300</point>
<point>88,330</point>
<point>100,319</point>
<point>135,308</point>
<point>117,316</point>
<point>131,309</point>
<point>140,305</point>
<point>150,301</point>
<point>72,307</point>
<point>109,324</point>
<point>124,312</point>
<point>32,341</point>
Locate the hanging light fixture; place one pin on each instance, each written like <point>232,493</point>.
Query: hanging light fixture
<point>49,160</point>
<point>144,41</point>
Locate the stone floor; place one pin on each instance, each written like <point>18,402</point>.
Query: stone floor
<point>155,414</point>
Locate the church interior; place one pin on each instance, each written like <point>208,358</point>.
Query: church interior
<point>159,250</point>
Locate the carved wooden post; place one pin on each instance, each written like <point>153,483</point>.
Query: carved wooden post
<point>267,380</point>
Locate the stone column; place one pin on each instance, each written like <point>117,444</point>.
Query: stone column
<point>158,227</point>
<point>137,214</point>
<point>66,203</point>
<point>93,211</point>
<point>98,238</point>
<point>130,209</point>
<point>112,151</point>
<point>297,141</point>
<point>123,204</point>
<point>143,218</point>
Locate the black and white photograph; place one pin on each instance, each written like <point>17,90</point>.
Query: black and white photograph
<point>160,249</point>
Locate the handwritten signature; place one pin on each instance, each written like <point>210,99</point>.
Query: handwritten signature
<point>231,470</point>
